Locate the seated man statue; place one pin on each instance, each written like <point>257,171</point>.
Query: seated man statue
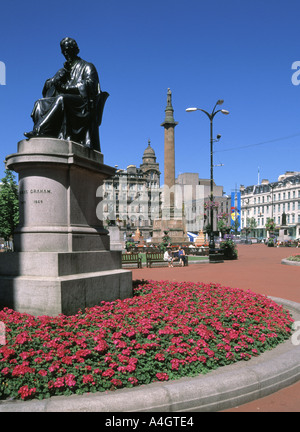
<point>72,104</point>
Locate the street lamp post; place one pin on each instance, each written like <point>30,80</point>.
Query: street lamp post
<point>211,118</point>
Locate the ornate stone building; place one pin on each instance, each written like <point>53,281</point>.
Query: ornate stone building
<point>272,200</point>
<point>131,198</point>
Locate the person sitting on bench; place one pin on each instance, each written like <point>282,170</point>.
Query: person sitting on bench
<point>181,256</point>
<point>168,258</point>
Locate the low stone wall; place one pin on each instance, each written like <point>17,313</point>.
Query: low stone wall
<point>289,262</point>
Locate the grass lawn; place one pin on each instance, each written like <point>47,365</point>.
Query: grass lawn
<point>191,258</point>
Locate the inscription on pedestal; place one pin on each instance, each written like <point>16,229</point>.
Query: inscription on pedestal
<point>29,192</point>
<point>32,191</point>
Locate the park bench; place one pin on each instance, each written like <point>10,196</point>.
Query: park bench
<point>132,258</point>
<point>158,257</point>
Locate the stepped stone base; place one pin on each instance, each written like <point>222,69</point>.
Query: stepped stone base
<point>51,283</point>
<point>63,260</point>
<point>175,226</point>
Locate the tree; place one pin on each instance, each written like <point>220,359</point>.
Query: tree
<point>252,224</point>
<point>270,225</point>
<point>165,241</point>
<point>9,205</point>
<point>222,224</point>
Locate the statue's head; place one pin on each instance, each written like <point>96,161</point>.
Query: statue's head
<point>69,48</point>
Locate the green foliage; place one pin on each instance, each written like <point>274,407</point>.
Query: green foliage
<point>129,243</point>
<point>222,224</point>
<point>167,331</point>
<point>294,258</point>
<point>207,229</point>
<point>251,224</point>
<point>9,205</point>
<point>229,249</point>
<point>165,241</point>
<point>270,225</point>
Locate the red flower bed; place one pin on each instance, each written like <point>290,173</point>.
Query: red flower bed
<point>166,331</point>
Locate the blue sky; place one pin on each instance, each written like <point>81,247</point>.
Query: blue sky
<point>237,50</point>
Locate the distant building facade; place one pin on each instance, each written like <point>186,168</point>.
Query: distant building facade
<point>131,198</point>
<point>272,200</point>
<point>194,192</point>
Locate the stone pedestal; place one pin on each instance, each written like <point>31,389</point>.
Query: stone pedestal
<point>174,224</point>
<point>283,234</point>
<point>115,241</point>
<point>62,260</point>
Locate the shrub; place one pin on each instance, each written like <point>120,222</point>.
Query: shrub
<point>229,249</point>
<point>294,258</point>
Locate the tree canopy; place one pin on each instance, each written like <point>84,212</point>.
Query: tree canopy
<point>9,205</point>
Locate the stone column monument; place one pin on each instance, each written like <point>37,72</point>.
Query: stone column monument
<point>172,218</point>
<point>62,260</point>
<point>169,158</point>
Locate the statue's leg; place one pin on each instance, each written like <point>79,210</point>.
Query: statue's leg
<point>77,118</point>
<point>48,118</point>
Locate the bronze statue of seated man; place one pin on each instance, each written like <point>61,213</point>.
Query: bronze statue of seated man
<point>72,104</point>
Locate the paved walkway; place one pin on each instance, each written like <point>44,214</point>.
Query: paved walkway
<point>259,269</point>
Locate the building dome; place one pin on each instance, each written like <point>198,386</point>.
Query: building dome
<point>149,152</point>
<point>149,165</point>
